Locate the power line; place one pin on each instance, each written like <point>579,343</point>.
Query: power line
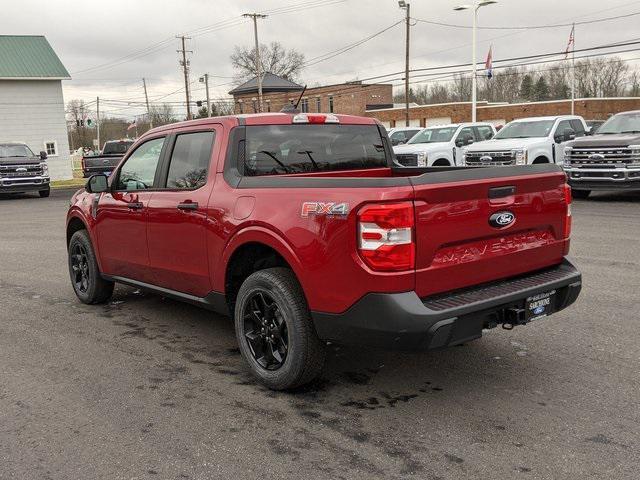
<point>529,27</point>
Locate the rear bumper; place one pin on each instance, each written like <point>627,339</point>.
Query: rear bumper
<point>406,322</point>
<point>23,184</point>
<point>603,179</point>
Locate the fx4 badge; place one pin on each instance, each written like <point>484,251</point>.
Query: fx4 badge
<point>324,208</point>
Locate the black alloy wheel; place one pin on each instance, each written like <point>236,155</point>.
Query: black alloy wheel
<point>80,268</point>
<point>265,330</point>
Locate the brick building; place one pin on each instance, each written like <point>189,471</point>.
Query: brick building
<point>353,98</point>
<point>501,113</point>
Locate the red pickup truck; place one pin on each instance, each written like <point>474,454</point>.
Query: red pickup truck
<point>300,228</point>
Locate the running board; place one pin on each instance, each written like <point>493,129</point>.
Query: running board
<point>214,301</point>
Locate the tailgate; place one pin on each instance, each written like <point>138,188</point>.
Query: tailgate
<point>462,238</point>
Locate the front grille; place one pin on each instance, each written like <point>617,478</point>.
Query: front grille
<point>489,159</point>
<point>20,171</point>
<point>602,157</point>
<point>407,159</point>
<point>500,288</point>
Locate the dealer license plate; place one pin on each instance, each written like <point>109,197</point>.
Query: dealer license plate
<point>540,305</point>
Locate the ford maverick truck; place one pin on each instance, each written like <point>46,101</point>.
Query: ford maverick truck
<point>301,229</point>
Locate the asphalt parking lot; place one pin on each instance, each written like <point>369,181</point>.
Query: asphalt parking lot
<point>146,387</point>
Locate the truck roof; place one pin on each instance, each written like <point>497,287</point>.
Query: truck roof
<point>272,118</point>
<point>549,117</point>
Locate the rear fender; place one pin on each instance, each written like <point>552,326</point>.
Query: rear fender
<point>263,235</point>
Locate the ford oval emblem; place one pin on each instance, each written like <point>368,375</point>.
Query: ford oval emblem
<point>501,219</point>
<point>486,159</point>
<point>538,310</point>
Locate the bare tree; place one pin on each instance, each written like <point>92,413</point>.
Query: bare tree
<point>162,114</point>
<point>80,133</point>
<point>274,58</point>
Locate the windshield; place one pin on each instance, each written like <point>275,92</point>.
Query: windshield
<point>278,149</point>
<point>15,151</point>
<point>534,128</point>
<point>621,123</point>
<point>434,135</point>
<point>116,147</point>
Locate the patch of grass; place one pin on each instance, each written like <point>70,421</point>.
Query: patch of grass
<point>74,182</point>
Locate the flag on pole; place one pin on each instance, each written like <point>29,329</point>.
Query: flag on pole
<point>488,65</point>
<point>131,125</point>
<point>571,44</point>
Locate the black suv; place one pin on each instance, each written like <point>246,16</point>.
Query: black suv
<point>608,160</point>
<point>23,171</point>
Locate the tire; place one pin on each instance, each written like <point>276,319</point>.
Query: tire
<point>303,358</point>
<point>580,194</point>
<point>44,193</point>
<point>85,276</point>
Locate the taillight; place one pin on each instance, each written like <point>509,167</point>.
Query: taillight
<point>567,218</point>
<point>385,236</point>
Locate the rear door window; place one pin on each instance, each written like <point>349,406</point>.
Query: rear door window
<point>577,127</point>
<point>484,132</point>
<point>190,159</point>
<point>282,149</point>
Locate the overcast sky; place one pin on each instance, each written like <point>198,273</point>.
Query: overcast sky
<point>128,40</point>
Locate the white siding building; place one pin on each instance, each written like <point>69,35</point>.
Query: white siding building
<point>31,103</point>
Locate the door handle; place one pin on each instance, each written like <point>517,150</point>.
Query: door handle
<point>188,206</point>
<point>135,206</point>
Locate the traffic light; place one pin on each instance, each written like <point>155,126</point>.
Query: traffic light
<point>89,122</point>
<point>199,103</point>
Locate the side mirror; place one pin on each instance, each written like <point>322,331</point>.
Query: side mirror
<point>43,155</point>
<point>469,141</point>
<point>401,142</point>
<point>394,141</point>
<point>97,184</point>
<point>460,142</point>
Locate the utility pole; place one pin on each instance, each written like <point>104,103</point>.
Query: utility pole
<point>573,70</point>
<point>407,7</point>
<point>185,69</point>
<point>98,121</point>
<point>146,99</point>
<point>205,79</point>
<point>255,17</point>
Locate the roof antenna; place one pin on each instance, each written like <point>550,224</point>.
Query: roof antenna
<point>293,108</point>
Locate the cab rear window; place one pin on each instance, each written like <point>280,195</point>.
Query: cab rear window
<point>282,149</point>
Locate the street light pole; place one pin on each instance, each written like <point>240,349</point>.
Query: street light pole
<point>407,7</point>
<point>474,78</point>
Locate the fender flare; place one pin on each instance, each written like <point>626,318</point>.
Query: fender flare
<point>76,213</point>
<point>265,236</point>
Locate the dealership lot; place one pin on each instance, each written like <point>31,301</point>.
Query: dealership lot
<point>146,387</point>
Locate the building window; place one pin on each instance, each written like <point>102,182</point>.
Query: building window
<point>51,148</point>
<point>318,105</point>
<point>304,105</point>
<point>240,107</point>
<point>268,105</point>
<point>330,104</point>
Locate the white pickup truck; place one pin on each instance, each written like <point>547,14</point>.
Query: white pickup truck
<point>527,141</point>
<point>441,145</point>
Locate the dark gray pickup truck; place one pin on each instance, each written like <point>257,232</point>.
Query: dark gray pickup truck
<point>21,170</point>
<point>608,160</point>
<point>108,160</point>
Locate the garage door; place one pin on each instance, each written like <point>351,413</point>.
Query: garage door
<point>438,121</point>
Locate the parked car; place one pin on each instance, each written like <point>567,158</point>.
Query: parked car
<point>111,154</point>
<point>300,227</point>
<point>608,160</point>
<point>22,171</point>
<point>527,141</point>
<point>400,135</point>
<point>593,126</point>
<point>441,146</point>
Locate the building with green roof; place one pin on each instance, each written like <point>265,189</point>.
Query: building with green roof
<point>31,101</point>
